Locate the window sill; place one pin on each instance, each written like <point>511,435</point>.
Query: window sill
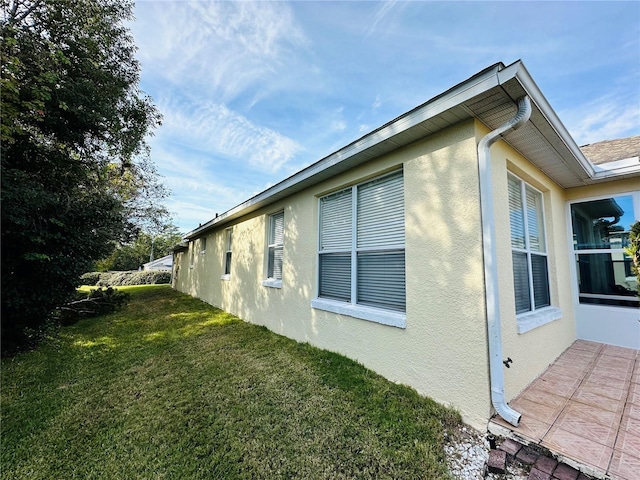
<point>378,315</point>
<point>226,277</point>
<point>272,283</point>
<point>529,321</point>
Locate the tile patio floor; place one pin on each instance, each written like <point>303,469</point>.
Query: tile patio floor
<point>585,408</point>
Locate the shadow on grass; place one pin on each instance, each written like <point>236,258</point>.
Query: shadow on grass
<point>172,387</point>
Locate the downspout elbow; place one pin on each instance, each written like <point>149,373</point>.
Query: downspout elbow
<point>490,266</point>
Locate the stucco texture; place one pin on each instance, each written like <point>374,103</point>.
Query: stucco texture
<point>533,350</point>
<point>442,351</point>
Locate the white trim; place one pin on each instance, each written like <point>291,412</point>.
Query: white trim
<point>272,283</point>
<point>619,167</point>
<point>530,320</point>
<point>225,277</point>
<point>378,315</point>
<point>610,297</point>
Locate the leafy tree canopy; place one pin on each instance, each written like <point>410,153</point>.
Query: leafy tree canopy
<point>142,250</point>
<point>76,174</point>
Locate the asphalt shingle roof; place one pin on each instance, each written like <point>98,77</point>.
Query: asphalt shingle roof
<point>612,150</point>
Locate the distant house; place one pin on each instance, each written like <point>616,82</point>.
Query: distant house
<point>164,263</point>
<point>468,231</point>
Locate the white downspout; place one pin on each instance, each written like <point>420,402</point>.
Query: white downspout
<point>490,264</point>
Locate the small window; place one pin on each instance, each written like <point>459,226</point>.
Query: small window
<point>228,248</point>
<point>203,245</point>
<point>528,247</point>
<point>192,248</point>
<point>275,247</point>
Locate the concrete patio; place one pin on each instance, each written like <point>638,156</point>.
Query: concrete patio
<point>585,409</point>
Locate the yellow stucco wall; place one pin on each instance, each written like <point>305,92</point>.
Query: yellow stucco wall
<point>605,188</point>
<point>442,351</point>
<point>534,350</point>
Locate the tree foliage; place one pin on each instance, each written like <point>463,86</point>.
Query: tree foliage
<point>76,175</point>
<point>138,252</point>
<point>633,250</point>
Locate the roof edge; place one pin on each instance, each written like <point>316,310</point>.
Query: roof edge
<point>520,72</point>
<point>495,75</point>
<point>472,86</point>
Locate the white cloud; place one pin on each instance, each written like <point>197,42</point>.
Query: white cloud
<point>198,190</point>
<point>220,131</point>
<point>376,103</point>
<point>380,14</point>
<point>220,47</point>
<point>605,118</point>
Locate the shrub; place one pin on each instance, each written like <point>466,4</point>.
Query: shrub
<point>149,277</point>
<point>90,278</point>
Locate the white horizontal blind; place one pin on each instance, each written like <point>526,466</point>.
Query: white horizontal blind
<point>371,270</point>
<point>336,222</point>
<point>275,263</point>
<point>335,276</point>
<point>530,271</point>
<point>540,276</point>
<point>276,230</point>
<point>381,213</point>
<point>227,256</point>
<point>276,240</point>
<point>521,282</point>
<point>534,220</point>
<point>516,213</point>
<point>381,280</point>
<point>229,239</point>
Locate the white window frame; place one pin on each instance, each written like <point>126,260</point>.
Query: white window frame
<point>381,315</point>
<point>270,280</point>
<point>227,258</point>
<point>192,252</point>
<point>635,195</point>
<point>539,316</point>
<point>203,245</point>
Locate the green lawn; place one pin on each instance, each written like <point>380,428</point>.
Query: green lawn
<point>170,387</point>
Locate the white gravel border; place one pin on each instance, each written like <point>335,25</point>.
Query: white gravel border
<point>467,454</point>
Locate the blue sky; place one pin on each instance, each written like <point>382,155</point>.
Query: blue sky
<point>251,92</point>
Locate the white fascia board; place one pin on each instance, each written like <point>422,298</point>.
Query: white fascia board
<point>619,167</point>
<point>520,72</point>
<point>594,172</point>
<point>460,93</point>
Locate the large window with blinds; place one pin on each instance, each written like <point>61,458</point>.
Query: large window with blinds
<point>528,247</point>
<point>275,246</point>
<point>361,244</point>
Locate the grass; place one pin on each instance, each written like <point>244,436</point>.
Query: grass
<point>170,387</point>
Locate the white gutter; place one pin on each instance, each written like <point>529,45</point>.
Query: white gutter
<point>490,264</point>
